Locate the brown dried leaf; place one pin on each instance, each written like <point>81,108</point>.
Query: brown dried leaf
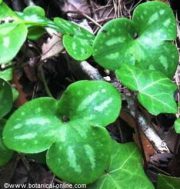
<point>52,47</point>
<point>72,8</point>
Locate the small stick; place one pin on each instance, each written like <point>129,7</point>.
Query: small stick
<point>86,16</point>
<point>92,72</point>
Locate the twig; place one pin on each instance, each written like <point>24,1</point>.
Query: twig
<point>85,15</point>
<point>92,72</point>
<point>91,7</point>
<point>146,127</point>
<point>104,20</point>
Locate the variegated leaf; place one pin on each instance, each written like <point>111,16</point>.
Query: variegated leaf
<point>33,127</point>
<point>155,90</point>
<point>125,170</point>
<point>81,154</point>
<point>12,37</point>
<point>96,101</point>
<point>68,129</point>
<point>145,41</point>
<point>12,34</point>
<point>76,40</point>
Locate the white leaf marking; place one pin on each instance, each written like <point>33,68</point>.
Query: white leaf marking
<point>6,41</point>
<point>27,136</point>
<point>72,160</point>
<point>102,106</point>
<point>90,155</point>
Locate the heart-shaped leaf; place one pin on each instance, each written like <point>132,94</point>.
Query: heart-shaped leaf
<point>25,129</point>
<point>96,101</point>
<point>5,154</point>
<point>125,170</point>
<point>155,90</point>
<point>77,40</point>
<point>177,126</point>
<point>81,154</point>
<point>167,182</point>
<point>144,41</point>
<point>155,19</point>
<point>33,127</point>
<point>6,98</point>
<point>64,129</point>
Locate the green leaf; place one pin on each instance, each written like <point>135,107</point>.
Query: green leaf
<point>34,10</point>
<point>6,98</point>
<point>5,154</point>
<point>177,126</point>
<point>6,14</point>
<point>75,144</point>
<point>77,47</point>
<point>33,127</point>
<point>81,153</point>
<point>145,41</point>
<point>155,19</point>
<point>6,74</point>
<point>168,182</point>
<point>15,93</point>
<point>12,37</point>
<point>34,16</point>
<point>96,101</point>
<point>12,34</point>
<point>77,40</point>
<point>35,33</point>
<point>155,90</point>
<point>125,170</point>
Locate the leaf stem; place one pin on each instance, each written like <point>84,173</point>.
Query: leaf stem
<point>44,81</point>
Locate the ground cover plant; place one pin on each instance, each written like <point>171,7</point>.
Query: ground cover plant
<point>72,125</point>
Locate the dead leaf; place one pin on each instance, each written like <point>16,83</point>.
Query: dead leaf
<point>52,47</point>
